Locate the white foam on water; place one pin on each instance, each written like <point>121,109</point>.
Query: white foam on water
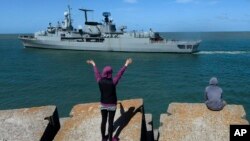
<point>223,52</point>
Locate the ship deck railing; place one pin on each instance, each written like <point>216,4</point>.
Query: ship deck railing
<point>26,36</point>
<point>83,39</point>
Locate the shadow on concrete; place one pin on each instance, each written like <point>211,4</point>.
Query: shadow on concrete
<point>124,119</point>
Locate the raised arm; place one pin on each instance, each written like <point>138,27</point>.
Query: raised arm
<point>121,71</point>
<point>97,74</point>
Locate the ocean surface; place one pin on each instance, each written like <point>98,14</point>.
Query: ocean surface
<point>36,77</point>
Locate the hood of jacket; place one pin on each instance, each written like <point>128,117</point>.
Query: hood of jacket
<point>213,81</point>
<point>107,72</point>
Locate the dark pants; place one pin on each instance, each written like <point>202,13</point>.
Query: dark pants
<point>110,116</point>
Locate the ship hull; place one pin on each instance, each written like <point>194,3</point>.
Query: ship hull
<point>112,44</point>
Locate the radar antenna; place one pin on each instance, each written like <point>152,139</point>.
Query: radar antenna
<point>106,16</point>
<point>85,13</point>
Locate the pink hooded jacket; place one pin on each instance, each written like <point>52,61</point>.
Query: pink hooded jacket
<point>107,73</point>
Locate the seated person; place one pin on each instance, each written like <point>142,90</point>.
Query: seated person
<point>213,96</point>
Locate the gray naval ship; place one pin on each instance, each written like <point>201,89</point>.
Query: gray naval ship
<point>103,36</point>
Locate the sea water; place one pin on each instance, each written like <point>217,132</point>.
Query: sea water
<point>36,77</point>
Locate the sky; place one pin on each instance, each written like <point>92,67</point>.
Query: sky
<point>28,16</point>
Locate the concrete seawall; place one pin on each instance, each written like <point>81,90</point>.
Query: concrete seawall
<point>29,124</point>
<point>194,122</point>
<point>181,122</point>
<point>85,122</point>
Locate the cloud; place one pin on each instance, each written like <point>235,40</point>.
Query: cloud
<point>223,17</point>
<point>210,2</point>
<point>184,1</point>
<point>213,2</point>
<point>247,15</point>
<point>130,1</point>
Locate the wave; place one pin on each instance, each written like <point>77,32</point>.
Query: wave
<point>223,52</point>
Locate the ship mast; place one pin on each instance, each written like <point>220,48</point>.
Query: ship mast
<point>69,27</point>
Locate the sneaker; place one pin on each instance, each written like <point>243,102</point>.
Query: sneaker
<point>115,139</point>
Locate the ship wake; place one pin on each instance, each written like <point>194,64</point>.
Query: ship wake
<point>223,52</point>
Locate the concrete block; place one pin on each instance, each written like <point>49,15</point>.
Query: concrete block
<point>62,120</point>
<point>149,127</point>
<point>85,122</point>
<point>156,134</point>
<point>194,122</point>
<point>29,124</point>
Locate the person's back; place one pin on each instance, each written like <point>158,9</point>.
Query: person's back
<point>213,96</point>
<point>108,91</point>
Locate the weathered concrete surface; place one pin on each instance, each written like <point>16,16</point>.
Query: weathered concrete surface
<point>156,134</point>
<point>85,122</point>
<point>29,124</point>
<point>149,122</point>
<point>194,122</point>
<point>62,120</point>
<point>149,126</point>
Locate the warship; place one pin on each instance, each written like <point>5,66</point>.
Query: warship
<point>103,36</point>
